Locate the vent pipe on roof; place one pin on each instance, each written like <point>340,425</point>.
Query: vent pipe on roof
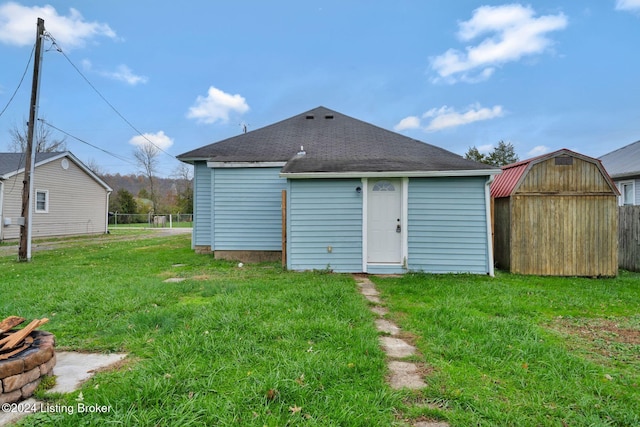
<point>301,152</point>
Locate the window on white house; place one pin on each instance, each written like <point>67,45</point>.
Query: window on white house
<point>627,193</point>
<point>42,201</point>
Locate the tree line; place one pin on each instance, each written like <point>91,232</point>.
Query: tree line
<point>132,195</point>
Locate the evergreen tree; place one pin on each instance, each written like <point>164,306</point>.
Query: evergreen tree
<point>475,155</point>
<point>123,202</point>
<point>503,154</point>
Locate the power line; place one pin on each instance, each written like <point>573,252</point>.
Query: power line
<point>124,159</point>
<point>54,43</point>
<point>20,83</point>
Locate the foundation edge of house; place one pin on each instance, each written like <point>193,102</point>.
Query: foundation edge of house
<point>248,256</point>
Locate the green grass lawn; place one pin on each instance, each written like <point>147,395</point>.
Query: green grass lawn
<point>523,350</point>
<point>227,346</point>
<point>257,345</point>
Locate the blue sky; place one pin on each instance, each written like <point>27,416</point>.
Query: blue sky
<point>542,75</point>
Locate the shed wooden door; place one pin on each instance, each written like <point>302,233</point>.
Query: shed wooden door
<point>384,227</point>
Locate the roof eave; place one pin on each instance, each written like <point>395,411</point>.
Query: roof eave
<point>191,160</point>
<point>212,164</point>
<point>391,174</point>
<point>625,175</point>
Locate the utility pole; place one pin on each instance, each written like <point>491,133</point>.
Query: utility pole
<point>24,252</point>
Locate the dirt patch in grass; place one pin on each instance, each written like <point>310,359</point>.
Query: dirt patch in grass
<point>121,365</point>
<point>606,337</point>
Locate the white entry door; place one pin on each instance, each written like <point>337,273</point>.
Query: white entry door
<point>384,217</point>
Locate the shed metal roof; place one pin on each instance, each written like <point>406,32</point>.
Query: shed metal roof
<point>505,183</point>
<point>332,142</point>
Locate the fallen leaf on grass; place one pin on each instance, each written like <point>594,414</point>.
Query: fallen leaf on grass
<point>271,394</point>
<point>295,409</point>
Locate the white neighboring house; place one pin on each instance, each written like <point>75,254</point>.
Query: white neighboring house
<point>623,165</point>
<point>68,198</point>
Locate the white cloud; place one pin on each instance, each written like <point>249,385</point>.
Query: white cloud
<point>447,117</point>
<point>159,139</point>
<point>411,122</point>
<point>18,26</point>
<point>632,5</point>
<point>216,106</point>
<point>510,33</point>
<point>538,150</point>
<point>122,73</point>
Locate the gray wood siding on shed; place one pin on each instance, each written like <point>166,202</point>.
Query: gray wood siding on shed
<point>77,203</point>
<point>247,212</point>
<point>203,205</point>
<point>324,225</point>
<point>448,225</point>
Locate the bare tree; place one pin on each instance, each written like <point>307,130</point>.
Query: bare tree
<point>43,140</point>
<point>146,156</point>
<point>183,174</point>
<point>94,167</point>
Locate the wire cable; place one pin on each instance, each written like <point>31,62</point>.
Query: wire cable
<point>20,83</point>
<point>124,159</point>
<point>115,110</point>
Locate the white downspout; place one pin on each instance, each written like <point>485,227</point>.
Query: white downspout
<point>106,224</point>
<point>487,203</point>
<point>365,226</point>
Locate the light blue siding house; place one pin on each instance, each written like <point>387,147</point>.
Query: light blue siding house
<point>328,191</point>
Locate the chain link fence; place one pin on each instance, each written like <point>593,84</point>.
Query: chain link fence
<point>119,220</point>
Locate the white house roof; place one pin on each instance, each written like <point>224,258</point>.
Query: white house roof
<point>623,162</point>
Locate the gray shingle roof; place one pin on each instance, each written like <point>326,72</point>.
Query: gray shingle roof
<point>623,162</point>
<point>12,162</point>
<point>333,142</point>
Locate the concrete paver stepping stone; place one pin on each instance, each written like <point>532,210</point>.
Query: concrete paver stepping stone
<point>405,375</point>
<point>174,280</point>
<point>396,347</point>
<point>374,299</point>
<point>380,311</point>
<point>368,289</point>
<point>387,326</point>
<point>72,369</point>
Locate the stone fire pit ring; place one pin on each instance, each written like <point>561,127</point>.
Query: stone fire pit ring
<point>21,374</point>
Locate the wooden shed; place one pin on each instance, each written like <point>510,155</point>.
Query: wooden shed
<point>556,215</point>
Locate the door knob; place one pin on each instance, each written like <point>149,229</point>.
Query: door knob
<point>398,228</point>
